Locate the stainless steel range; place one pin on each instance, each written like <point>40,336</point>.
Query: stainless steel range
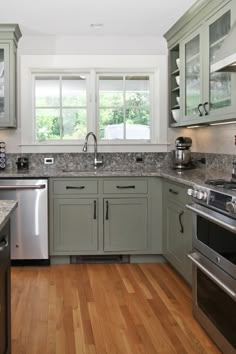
<point>214,264</point>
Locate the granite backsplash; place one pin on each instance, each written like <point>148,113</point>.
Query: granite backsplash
<point>134,161</point>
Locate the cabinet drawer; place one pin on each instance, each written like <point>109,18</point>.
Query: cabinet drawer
<point>79,186</point>
<point>128,186</point>
<point>176,192</point>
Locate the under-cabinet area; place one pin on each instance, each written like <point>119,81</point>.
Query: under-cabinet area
<point>105,216</point>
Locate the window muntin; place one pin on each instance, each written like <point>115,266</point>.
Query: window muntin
<point>61,109</point>
<point>124,106</point>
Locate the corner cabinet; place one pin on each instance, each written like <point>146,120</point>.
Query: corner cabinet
<point>177,229</point>
<point>204,97</point>
<point>9,36</point>
<point>105,216</point>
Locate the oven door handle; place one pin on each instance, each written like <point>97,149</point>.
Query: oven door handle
<point>211,215</point>
<point>195,259</point>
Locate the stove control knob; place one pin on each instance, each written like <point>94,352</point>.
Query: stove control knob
<point>202,195</point>
<point>190,191</point>
<point>231,207</point>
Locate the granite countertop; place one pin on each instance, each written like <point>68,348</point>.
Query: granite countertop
<point>6,209</point>
<point>188,177</point>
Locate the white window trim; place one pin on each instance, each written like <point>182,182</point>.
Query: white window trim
<point>156,64</point>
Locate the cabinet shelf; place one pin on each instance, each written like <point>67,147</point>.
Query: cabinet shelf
<point>175,72</point>
<point>193,58</point>
<point>176,89</point>
<point>212,45</point>
<point>175,106</point>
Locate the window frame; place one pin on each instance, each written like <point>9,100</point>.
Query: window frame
<point>124,73</point>
<point>59,74</point>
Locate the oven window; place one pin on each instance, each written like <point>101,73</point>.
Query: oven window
<point>217,238</point>
<point>218,307</point>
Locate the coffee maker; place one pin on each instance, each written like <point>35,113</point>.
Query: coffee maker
<point>182,154</point>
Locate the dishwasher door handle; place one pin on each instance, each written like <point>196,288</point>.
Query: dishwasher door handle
<point>22,187</point>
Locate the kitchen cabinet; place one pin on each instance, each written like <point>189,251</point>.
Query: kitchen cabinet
<point>204,97</point>
<point>105,215</point>
<point>9,36</point>
<point>126,224</point>
<point>177,229</point>
<point>5,305</point>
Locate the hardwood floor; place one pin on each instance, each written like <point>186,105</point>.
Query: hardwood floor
<point>101,308</point>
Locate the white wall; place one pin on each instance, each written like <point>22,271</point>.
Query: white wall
<point>51,45</point>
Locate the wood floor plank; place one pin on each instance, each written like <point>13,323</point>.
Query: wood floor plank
<point>104,309</point>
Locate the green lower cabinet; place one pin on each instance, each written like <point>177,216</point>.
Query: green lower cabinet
<point>125,224</point>
<point>177,236</point>
<point>75,225</point>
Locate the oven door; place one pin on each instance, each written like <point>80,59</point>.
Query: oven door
<point>214,235</point>
<point>214,301</point>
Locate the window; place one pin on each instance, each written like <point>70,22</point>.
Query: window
<point>60,107</point>
<point>124,107</point>
<point>63,112</point>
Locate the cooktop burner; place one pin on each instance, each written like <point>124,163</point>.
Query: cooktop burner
<point>222,183</point>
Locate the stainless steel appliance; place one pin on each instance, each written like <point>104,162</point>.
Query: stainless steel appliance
<point>182,153</point>
<point>214,264</point>
<point>29,224</point>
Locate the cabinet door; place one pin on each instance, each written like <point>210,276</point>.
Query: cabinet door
<point>5,338</point>
<point>219,86</point>
<point>125,224</point>
<point>178,237</point>
<point>75,225</point>
<point>4,84</point>
<point>191,69</point>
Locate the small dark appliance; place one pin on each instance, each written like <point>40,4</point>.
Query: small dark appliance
<point>182,154</point>
<point>2,155</point>
<point>22,163</point>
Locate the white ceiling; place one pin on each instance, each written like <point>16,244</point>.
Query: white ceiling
<point>73,17</point>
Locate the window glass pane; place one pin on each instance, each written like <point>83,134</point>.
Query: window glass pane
<point>137,90</point>
<point>47,91</point>
<point>74,124</point>
<point>74,91</point>
<point>47,124</point>
<point>138,124</point>
<point>111,124</point>
<point>111,91</point>
<point>1,81</point>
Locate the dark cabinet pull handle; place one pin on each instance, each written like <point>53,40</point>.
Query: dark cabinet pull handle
<point>94,210</point>
<point>107,205</point>
<point>205,110</point>
<point>3,244</point>
<point>125,187</point>
<point>200,112</point>
<point>73,187</point>
<point>180,222</point>
<point>173,192</point>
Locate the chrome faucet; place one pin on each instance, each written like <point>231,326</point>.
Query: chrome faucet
<point>96,162</point>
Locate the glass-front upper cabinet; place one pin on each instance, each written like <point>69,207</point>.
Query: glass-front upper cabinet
<point>9,36</point>
<point>192,94</point>
<point>219,86</point>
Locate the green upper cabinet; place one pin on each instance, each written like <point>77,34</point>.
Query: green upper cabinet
<point>204,97</point>
<point>9,36</point>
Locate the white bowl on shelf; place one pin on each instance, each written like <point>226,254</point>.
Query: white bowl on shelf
<point>177,78</point>
<point>178,100</point>
<point>176,114</point>
<point>178,63</point>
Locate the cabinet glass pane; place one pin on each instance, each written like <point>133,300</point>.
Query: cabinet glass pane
<point>1,81</point>
<point>220,83</point>
<point>192,76</point>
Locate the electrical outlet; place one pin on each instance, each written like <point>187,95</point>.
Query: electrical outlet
<point>48,161</point>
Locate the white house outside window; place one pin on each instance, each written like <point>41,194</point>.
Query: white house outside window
<point>124,107</point>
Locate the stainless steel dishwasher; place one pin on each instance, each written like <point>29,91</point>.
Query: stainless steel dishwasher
<point>29,224</point>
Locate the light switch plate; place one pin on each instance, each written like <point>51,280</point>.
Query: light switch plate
<point>48,161</point>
